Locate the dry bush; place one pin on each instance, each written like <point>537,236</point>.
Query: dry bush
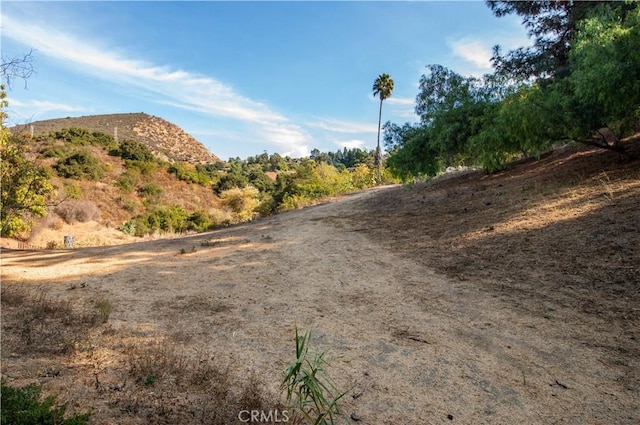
<point>179,387</point>
<point>34,323</point>
<point>78,211</point>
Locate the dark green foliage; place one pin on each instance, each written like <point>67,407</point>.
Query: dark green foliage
<point>80,165</point>
<point>580,82</point>
<point>169,219</point>
<point>22,406</point>
<point>135,151</point>
<point>268,162</point>
<point>346,158</point>
<point>82,137</point>
<point>231,180</point>
<point>199,221</point>
<point>552,25</point>
<point>605,80</point>
<point>412,153</point>
<point>258,179</point>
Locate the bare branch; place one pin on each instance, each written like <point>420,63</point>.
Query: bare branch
<point>17,67</point>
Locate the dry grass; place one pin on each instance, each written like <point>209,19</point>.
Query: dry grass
<point>36,324</point>
<point>139,380</point>
<point>173,385</point>
<point>567,222</point>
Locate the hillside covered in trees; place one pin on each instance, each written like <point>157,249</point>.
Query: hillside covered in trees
<point>73,175</point>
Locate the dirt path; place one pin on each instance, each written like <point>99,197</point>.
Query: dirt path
<point>416,347</point>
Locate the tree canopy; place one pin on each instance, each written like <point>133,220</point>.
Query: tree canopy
<point>579,82</point>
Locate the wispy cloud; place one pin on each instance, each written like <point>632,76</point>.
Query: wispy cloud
<point>166,85</point>
<point>28,111</point>
<point>403,101</point>
<point>402,107</point>
<point>337,126</point>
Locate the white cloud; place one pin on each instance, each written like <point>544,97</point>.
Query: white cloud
<point>177,87</point>
<point>402,107</point>
<point>44,105</point>
<point>403,101</point>
<point>350,144</point>
<point>29,111</point>
<point>337,126</point>
<point>473,51</point>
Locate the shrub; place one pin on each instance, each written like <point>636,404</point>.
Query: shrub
<point>189,173</point>
<point>23,406</point>
<point>293,202</point>
<point>129,227</point>
<point>55,151</point>
<point>83,137</point>
<point>135,151</point>
<point>78,211</point>
<point>75,135</point>
<point>362,176</point>
<point>128,204</point>
<point>150,190</point>
<point>230,181</point>
<point>242,202</point>
<point>141,166</point>
<point>80,165</point>
<point>267,205</point>
<point>128,180</point>
<point>199,221</point>
<point>72,190</point>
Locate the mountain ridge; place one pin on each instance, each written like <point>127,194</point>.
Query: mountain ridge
<point>166,140</point>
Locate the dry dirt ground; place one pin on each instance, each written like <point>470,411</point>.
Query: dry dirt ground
<point>473,299</point>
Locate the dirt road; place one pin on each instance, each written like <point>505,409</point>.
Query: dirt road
<point>411,345</point>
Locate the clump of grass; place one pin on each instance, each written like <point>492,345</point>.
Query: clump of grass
<point>310,391</point>
<point>184,251</point>
<point>104,308</point>
<point>23,406</point>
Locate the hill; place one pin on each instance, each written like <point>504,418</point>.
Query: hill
<point>475,298</point>
<point>167,141</point>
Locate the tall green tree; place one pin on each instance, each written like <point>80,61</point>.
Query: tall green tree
<point>605,78</point>
<point>382,88</point>
<point>552,26</point>
<point>25,187</point>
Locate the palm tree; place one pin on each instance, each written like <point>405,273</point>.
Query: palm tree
<point>382,87</point>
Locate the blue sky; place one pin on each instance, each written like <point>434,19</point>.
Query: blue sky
<point>245,77</point>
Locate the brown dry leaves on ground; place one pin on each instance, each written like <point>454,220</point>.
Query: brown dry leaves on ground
<point>504,298</point>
